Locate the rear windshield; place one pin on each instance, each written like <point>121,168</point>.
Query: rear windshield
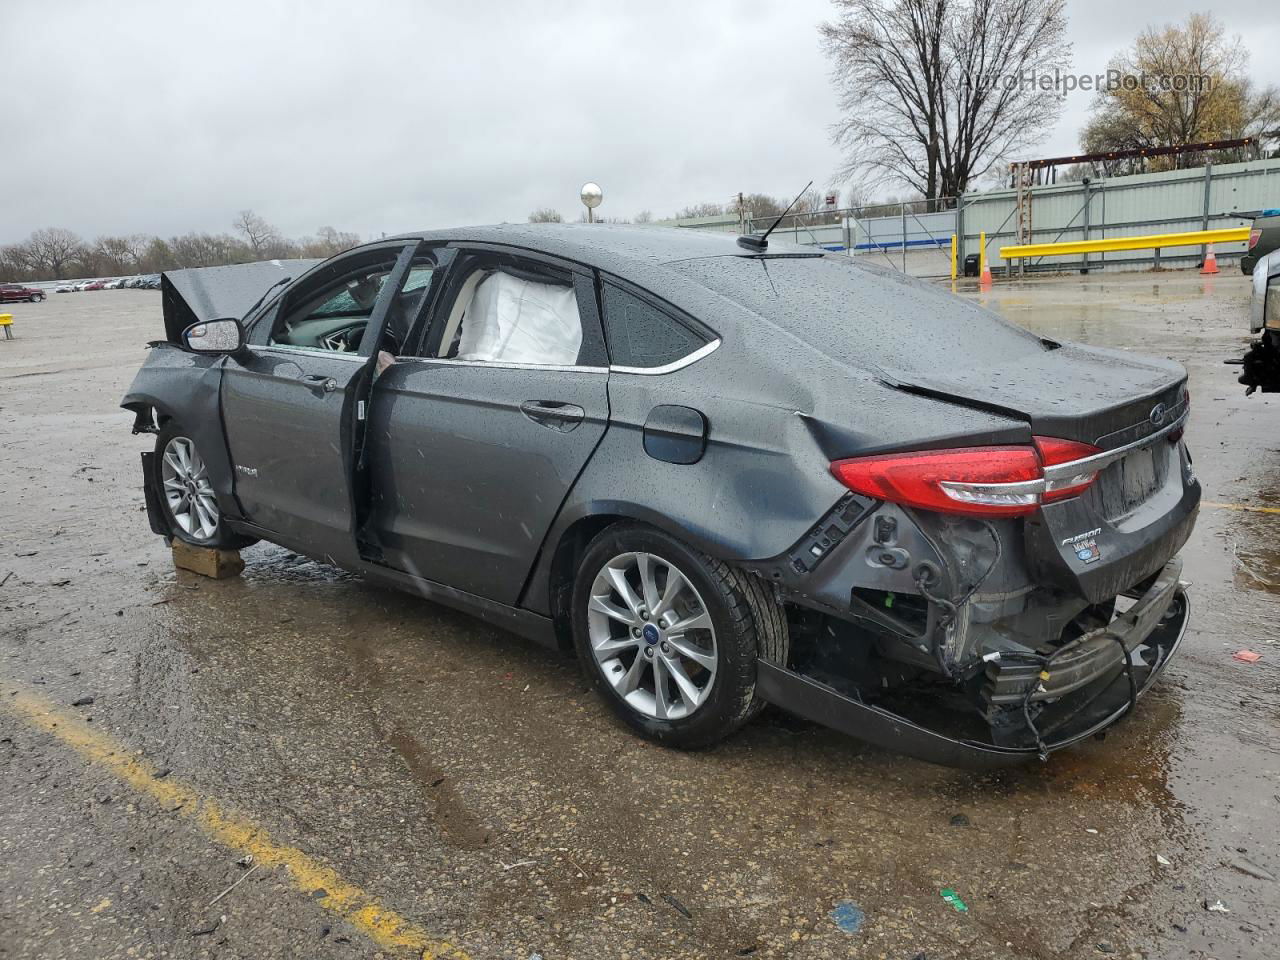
<point>864,315</point>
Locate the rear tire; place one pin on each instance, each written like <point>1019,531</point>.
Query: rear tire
<point>676,659</point>
<point>186,495</point>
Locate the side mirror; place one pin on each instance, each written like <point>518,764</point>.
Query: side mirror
<point>214,336</point>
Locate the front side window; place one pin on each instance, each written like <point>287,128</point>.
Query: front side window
<point>333,318</point>
<point>641,335</point>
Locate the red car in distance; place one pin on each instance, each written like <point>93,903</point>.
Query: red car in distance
<point>12,292</point>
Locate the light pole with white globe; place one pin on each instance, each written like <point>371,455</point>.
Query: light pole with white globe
<point>592,196</point>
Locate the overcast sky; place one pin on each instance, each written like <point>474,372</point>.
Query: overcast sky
<point>383,116</point>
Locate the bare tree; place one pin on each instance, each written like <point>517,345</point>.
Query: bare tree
<point>326,243</point>
<point>546,215</point>
<point>117,255</point>
<point>933,92</point>
<point>700,210</point>
<point>811,201</point>
<point>157,257</point>
<point>258,234</point>
<point>644,216</point>
<point>13,263</point>
<point>761,205</point>
<point>207,249</point>
<point>49,250</point>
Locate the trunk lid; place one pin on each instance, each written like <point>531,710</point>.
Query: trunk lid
<point>1103,397</point>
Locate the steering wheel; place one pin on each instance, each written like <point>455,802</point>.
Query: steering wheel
<point>344,341</point>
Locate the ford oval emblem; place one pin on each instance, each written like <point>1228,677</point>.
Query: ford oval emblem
<point>1158,413</point>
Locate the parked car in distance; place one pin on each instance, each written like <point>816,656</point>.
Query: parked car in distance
<point>65,288</point>
<point>725,473</point>
<point>12,292</point>
<point>96,285</point>
<point>1264,236</point>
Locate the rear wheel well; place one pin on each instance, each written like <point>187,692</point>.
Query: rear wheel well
<point>564,567</point>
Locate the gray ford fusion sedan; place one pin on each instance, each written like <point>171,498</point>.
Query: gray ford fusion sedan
<point>726,473</point>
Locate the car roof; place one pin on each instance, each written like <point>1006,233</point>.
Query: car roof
<point>604,244</point>
<point>644,255</point>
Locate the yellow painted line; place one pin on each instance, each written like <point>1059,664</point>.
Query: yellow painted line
<point>1239,506</point>
<point>362,910</point>
<point>1192,239</point>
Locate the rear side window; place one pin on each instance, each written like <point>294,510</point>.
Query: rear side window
<point>506,313</point>
<point>642,335</point>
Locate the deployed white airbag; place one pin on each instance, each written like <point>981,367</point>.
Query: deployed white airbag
<point>512,320</point>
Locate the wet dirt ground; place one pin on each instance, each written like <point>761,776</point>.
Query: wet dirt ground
<point>465,779</point>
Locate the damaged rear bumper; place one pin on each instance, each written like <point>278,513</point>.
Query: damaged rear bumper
<point>1092,692</point>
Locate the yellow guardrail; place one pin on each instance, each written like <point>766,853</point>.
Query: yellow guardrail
<point>1194,239</point>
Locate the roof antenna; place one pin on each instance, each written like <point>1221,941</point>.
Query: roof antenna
<point>761,243</point>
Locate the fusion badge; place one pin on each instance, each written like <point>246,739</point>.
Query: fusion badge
<point>1085,545</point>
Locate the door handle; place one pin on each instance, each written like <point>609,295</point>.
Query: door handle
<point>318,381</point>
<point>554,414</point>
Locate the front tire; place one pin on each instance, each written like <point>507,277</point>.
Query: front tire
<point>37,297</point>
<point>187,500</point>
<point>669,636</point>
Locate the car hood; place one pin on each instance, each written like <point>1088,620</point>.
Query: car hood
<point>208,293</point>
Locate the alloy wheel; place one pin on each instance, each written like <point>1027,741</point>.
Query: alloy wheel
<point>187,489</point>
<point>652,636</point>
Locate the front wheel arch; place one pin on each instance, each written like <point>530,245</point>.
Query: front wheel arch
<point>224,537</point>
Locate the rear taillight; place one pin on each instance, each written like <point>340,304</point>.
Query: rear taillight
<point>978,481</point>
<point>1054,452</point>
<point>1254,236</point>
<point>1176,435</point>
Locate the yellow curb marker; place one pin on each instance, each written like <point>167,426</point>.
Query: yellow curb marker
<point>362,910</point>
<point>1239,506</point>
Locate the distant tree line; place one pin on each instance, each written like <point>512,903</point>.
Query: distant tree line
<point>760,206</point>
<point>810,208</point>
<point>552,215</point>
<point>55,253</point>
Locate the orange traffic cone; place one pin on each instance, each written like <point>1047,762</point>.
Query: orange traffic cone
<point>1210,261</point>
<point>985,279</point>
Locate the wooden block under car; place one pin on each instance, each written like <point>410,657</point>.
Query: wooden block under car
<point>218,564</point>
